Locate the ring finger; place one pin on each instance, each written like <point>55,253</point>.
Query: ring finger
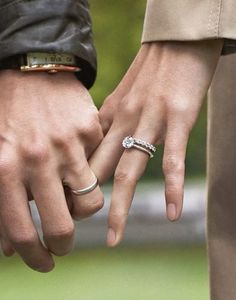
<point>126,177</point>
<point>130,168</point>
<point>79,176</point>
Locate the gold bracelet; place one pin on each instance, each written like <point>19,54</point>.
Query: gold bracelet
<point>50,68</point>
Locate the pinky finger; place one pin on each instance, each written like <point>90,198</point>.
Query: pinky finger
<point>6,246</point>
<point>7,249</point>
<point>174,170</point>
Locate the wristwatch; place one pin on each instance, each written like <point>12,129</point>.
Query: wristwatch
<point>41,62</point>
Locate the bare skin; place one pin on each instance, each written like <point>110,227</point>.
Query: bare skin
<point>49,127</point>
<point>158,100</point>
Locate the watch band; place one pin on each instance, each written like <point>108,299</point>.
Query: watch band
<point>40,61</point>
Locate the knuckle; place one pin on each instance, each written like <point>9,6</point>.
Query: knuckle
<point>62,232</point>
<point>88,130</point>
<point>20,240</point>
<point>88,209</point>
<point>97,205</point>
<point>127,108</point>
<point>64,139</point>
<point>177,106</point>
<point>164,98</point>
<point>91,127</point>
<point>36,153</point>
<point>172,188</point>
<point>125,177</point>
<point>7,166</point>
<point>174,183</point>
<point>118,217</point>
<point>171,164</point>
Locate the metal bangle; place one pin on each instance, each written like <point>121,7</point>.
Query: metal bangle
<point>50,68</point>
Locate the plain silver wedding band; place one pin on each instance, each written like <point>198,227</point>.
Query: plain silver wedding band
<point>80,192</point>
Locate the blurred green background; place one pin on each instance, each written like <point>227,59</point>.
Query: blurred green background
<point>125,273</point>
<point>99,274</point>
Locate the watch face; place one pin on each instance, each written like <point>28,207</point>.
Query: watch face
<point>39,58</point>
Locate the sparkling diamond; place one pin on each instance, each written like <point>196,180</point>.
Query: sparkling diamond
<point>128,142</point>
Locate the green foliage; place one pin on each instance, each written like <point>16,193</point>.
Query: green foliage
<point>117,34</point>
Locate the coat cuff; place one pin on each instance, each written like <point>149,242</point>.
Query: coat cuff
<point>62,26</point>
<point>189,20</point>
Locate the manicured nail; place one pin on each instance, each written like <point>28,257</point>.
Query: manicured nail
<point>111,237</point>
<point>171,211</point>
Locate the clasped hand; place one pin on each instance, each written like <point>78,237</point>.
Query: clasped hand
<point>49,127</point>
<point>51,132</point>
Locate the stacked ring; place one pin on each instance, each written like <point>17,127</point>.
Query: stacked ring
<point>131,142</point>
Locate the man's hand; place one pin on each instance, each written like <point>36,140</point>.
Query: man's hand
<point>49,126</point>
<point>158,101</point>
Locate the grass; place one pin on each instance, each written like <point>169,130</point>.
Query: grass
<point>101,274</point>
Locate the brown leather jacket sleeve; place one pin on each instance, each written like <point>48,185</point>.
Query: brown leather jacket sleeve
<point>49,26</point>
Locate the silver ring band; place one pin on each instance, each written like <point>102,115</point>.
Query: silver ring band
<point>144,150</point>
<point>131,142</point>
<point>79,192</point>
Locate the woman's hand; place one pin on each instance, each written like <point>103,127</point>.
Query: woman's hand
<point>49,126</point>
<point>158,101</point>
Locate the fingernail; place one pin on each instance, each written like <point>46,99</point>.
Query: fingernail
<point>45,269</point>
<point>111,237</point>
<point>171,211</point>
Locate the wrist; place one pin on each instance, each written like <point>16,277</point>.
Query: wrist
<point>155,47</point>
<point>16,80</point>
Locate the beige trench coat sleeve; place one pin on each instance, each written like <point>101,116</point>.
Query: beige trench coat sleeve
<point>191,20</point>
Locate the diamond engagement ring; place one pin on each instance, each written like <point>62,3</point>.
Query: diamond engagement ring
<point>79,192</point>
<point>131,142</point>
